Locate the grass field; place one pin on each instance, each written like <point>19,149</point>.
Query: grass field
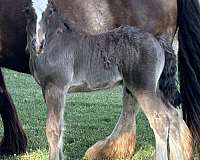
<point>89,117</point>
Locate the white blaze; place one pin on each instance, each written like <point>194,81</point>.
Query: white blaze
<point>39,6</point>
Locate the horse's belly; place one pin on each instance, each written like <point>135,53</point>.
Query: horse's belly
<point>88,86</point>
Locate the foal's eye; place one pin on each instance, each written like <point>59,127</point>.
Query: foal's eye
<point>51,11</point>
<point>27,12</point>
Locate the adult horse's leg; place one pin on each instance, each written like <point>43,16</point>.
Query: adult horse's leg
<point>54,98</point>
<point>121,142</point>
<point>14,140</point>
<point>168,127</point>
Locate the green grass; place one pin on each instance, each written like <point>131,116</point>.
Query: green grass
<point>89,117</point>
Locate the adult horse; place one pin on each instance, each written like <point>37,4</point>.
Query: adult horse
<point>97,16</point>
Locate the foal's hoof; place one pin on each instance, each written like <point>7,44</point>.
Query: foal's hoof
<point>113,148</point>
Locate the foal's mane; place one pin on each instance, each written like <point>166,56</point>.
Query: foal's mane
<point>52,4</point>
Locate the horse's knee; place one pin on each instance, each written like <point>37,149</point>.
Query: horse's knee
<point>156,113</point>
<point>173,114</point>
<point>159,122</point>
<point>174,118</point>
<point>52,133</point>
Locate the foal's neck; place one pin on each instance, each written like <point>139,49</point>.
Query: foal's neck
<point>58,27</point>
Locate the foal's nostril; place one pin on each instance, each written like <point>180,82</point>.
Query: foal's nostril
<point>33,43</point>
<point>42,44</point>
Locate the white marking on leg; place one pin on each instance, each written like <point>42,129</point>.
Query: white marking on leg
<point>179,137</point>
<point>175,148</point>
<point>161,144</point>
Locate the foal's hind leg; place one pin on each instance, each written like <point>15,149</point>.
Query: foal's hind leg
<point>54,97</point>
<point>121,142</point>
<point>156,114</point>
<point>180,139</point>
<point>167,128</point>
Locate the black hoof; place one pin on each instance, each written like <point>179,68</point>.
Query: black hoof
<point>13,146</point>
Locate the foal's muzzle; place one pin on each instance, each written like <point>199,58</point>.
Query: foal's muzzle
<point>39,46</point>
<point>33,43</point>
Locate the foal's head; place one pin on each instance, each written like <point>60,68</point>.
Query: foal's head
<point>41,21</point>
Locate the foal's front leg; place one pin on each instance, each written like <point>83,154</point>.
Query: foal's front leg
<point>54,97</point>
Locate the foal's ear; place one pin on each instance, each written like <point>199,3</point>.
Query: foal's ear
<point>52,3</point>
<point>29,13</point>
<point>52,7</point>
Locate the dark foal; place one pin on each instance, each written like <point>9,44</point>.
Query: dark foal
<point>64,60</point>
<point>96,16</point>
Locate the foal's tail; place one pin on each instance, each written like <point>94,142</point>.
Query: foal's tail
<point>168,81</point>
<point>189,62</point>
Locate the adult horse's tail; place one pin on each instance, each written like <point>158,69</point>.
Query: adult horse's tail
<point>189,62</point>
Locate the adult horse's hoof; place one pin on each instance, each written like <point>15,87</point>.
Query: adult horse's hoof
<point>113,148</point>
<point>14,142</point>
<point>13,147</point>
